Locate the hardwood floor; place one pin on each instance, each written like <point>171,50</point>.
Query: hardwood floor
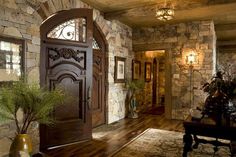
<point>114,136</point>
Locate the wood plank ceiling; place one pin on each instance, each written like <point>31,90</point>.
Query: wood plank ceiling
<point>139,13</point>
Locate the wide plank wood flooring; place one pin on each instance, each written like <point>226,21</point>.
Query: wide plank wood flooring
<point>108,139</point>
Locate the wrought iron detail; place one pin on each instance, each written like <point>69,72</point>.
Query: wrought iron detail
<point>97,61</point>
<point>64,53</point>
<point>74,29</point>
<point>95,45</point>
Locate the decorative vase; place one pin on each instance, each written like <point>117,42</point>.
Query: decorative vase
<point>21,146</point>
<point>132,108</point>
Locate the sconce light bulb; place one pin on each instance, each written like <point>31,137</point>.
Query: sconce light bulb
<point>190,59</point>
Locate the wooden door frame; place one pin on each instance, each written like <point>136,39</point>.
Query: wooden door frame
<point>101,39</point>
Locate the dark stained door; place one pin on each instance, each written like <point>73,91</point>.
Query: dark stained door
<point>154,83</point>
<point>99,80</point>
<point>98,103</point>
<point>66,63</point>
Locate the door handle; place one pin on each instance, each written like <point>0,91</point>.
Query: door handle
<point>89,97</point>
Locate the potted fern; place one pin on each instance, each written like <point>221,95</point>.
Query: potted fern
<point>36,105</point>
<point>133,86</point>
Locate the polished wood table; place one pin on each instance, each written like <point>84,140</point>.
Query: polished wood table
<point>201,128</point>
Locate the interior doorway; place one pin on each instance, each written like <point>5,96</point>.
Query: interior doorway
<point>157,84</point>
<point>158,78</point>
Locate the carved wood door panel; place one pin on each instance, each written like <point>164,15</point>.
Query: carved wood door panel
<point>66,63</point>
<point>98,93</point>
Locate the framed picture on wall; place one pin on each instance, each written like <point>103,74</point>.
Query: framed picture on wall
<point>147,71</point>
<point>119,69</point>
<point>136,69</point>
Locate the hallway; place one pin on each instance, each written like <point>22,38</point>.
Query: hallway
<point>108,139</point>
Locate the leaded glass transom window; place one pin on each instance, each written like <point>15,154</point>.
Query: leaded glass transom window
<point>74,30</point>
<point>95,45</point>
<point>10,61</point>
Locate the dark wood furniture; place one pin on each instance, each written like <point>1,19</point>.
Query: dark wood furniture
<point>195,128</point>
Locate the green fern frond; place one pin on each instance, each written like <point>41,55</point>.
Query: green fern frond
<point>36,104</point>
<point>7,101</point>
<point>5,117</point>
<point>49,101</point>
<point>46,120</point>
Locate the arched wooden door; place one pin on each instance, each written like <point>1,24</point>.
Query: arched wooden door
<point>66,62</point>
<point>99,78</point>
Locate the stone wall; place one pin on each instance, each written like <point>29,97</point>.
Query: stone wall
<point>17,20</point>
<point>145,98</point>
<point>178,40</point>
<point>226,62</point>
<point>119,39</point>
<point>22,19</point>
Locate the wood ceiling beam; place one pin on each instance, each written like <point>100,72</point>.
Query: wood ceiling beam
<point>227,47</point>
<point>226,35</point>
<point>226,42</point>
<point>116,5</point>
<point>151,47</point>
<point>227,26</point>
<point>226,32</point>
<point>145,16</point>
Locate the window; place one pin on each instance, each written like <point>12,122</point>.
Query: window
<point>74,30</point>
<point>11,59</point>
<point>95,45</point>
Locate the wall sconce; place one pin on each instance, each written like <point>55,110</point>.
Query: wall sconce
<point>191,59</point>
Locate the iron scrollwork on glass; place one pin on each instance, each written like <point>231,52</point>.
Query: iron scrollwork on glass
<point>74,30</point>
<point>95,45</point>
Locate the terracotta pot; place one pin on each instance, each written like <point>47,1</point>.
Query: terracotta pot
<point>21,146</point>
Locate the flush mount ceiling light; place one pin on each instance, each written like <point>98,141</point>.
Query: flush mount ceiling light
<point>165,13</point>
